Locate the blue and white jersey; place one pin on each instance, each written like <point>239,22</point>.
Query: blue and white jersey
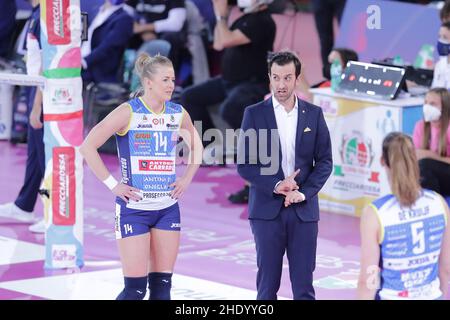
<point>147,154</point>
<point>410,245</point>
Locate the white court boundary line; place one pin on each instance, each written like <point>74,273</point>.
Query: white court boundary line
<point>107,284</point>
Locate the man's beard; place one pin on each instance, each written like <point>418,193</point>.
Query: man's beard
<point>282,97</point>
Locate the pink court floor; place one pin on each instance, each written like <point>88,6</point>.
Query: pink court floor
<point>217,255</point>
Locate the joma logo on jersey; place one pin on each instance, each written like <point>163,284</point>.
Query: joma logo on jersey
<point>175,225</point>
<point>148,125</point>
<point>158,121</point>
<point>422,260</point>
<point>142,136</point>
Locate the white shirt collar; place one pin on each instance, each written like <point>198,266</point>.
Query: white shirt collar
<point>277,104</point>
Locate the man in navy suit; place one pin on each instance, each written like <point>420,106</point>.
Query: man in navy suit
<point>283,203</point>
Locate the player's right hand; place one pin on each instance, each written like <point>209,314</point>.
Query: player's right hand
<point>288,184</point>
<point>126,192</point>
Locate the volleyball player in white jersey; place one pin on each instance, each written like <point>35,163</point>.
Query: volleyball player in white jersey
<point>147,214</point>
<point>405,237</point>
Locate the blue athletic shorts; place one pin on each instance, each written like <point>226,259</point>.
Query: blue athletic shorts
<point>132,222</point>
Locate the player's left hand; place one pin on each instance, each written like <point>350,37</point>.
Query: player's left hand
<point>293,197</point>
<point>180,185</point>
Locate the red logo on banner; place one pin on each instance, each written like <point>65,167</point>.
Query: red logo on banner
<point>63,192</point>
<point>58,18</point>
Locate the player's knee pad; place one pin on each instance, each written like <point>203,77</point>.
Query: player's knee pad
<point>160,284</point>
<point>135,289</point>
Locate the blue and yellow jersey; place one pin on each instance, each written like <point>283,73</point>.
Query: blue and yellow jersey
<point>147,153</point>
<point>410,243</point>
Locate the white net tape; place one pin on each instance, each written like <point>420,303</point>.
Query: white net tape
<point>22,79</point>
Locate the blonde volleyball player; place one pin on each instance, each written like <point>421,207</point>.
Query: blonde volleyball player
<point>147,213</point>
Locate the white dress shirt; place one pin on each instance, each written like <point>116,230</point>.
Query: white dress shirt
<point>287,130</point>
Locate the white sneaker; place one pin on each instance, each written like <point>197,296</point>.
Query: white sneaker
<point>11,211</point>
<point>38,227</point>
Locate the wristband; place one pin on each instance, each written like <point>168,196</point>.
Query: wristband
<point>110,182</point>
<point>224,18</point>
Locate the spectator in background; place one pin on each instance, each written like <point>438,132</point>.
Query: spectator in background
<point>207,11</point>
<point>324,13</point>
<point>441,77</point>
<point>343,55</point>
<point>108,36</point>
<point>445,12</point>
<point>163,20</point>
<point>244,78</point>
<point>432,140</point>
<point>91,7</point>
<point>7,24</point>
<point>197,29</point>
<point>22,208</point>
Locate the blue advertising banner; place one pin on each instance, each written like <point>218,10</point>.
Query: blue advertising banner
<point>381,29</point>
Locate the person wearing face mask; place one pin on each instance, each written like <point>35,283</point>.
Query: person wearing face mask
<point>342,55</point>
<point>108,36</point>
<point>441,76</point>
<point>245,45</point>
<point>432,140</point>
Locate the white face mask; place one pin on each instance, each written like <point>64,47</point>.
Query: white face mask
<point>431,113</point>
<point>248,6</point>
<point>244,3</point>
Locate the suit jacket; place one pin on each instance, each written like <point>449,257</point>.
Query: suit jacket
<point>312,156</point>
<point>108,44</point>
